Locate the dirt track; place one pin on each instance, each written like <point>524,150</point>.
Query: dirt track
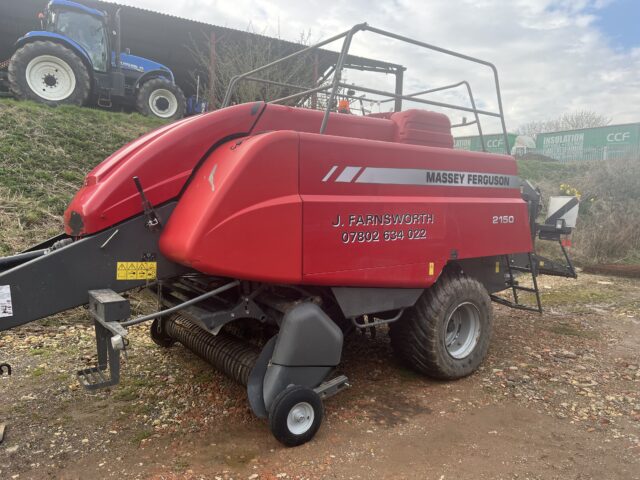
<point>558,397</point>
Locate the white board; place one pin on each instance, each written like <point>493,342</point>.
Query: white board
<point>6,307</point>
<point>570,216</point>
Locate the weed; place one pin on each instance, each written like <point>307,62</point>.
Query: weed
<point>569,330</point>
<point>180,465</point>
<point>126,394</point>
<point>140,436</point>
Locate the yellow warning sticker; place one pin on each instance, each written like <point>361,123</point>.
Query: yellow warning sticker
<point>137,271</point>
<point>497,267</point>
<point>431,268</point>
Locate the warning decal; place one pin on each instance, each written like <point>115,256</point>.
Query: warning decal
<point>136,271</point>
<point>6,307</point>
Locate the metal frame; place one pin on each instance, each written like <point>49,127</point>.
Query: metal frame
<point>397,97</point>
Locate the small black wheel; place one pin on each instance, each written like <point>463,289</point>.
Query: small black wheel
<point>446,334</point>
<point>161,98</point>
<point>295,415</point>
<point>159,335</point>
<point>50,73</point>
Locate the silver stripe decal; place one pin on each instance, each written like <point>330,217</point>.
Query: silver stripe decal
<point>328,175</point>
<point>348,174</point>
<point>418,176</point>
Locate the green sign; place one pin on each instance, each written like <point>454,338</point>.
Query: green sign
<point>590,144</point>
<point>494,143</point>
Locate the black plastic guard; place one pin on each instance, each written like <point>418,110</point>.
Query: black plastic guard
<point>255,386</point>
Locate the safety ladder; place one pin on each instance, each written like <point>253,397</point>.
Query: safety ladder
<point>512,283</point>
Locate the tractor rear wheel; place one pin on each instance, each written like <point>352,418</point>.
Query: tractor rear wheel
<point>161,98</point>
<point>446,334</point>
<point>50,73</point>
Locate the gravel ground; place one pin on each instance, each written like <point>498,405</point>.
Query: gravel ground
<point>557,398</point>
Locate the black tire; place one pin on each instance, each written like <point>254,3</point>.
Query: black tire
<point>159,335</point>
<point>290,398</point>
<point>420,337</point>
<point>163,102</point>
<point>36,53</point>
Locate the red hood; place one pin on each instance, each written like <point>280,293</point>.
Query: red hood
<point>162,159</point>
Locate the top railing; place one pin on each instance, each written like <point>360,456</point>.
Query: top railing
<point>398,96</point>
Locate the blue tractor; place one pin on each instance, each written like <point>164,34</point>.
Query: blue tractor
<point>76,58</point>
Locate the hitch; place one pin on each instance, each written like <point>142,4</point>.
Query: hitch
<point>108,309</point>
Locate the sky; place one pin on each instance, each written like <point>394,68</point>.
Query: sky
<point>553,56</point>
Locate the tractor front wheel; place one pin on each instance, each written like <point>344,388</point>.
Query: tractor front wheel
<point>50,73</point>
<point>161,98</point>
<point>446,334</point>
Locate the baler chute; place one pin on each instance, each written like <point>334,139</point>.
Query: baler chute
<point>268,232</point>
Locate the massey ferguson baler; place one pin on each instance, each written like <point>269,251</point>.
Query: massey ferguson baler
<point>268,232</point>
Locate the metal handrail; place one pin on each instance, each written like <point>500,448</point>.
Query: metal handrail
<point>336,82</point>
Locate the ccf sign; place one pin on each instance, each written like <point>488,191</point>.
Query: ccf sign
<point>618,137</point>
<point>495,143</point>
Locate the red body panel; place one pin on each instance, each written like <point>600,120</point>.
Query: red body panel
<point>388,234</point>
<point>165,158</point>
<point>162,159</point>
<point>241,214</point>
<point>377,201</point>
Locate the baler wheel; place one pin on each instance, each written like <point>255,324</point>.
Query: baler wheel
<point>446,334</point>
<point>295,415</point>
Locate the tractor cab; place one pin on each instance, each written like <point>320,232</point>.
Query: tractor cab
<point>77,58</point>
<point>85,26</point>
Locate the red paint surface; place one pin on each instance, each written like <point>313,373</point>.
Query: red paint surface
<point>264,208</point>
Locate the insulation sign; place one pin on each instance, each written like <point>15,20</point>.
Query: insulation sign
<point>6,307</point>
<point>136,271</point>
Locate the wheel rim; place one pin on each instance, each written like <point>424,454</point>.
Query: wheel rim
<point>462,330</point>
<point>163,103</point>
<point>51,78</point>
<point>300,418</point>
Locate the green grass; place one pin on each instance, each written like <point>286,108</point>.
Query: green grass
<point>571,331</point>
<point>45,154</point>
<point>140,436</point>
<point>127,394</point>
<point>41,352</point>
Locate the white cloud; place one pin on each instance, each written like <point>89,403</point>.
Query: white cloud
<point>550,55</point>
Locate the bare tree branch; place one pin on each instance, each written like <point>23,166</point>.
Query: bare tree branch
<point>237,53</point>
<point>568,121</point>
